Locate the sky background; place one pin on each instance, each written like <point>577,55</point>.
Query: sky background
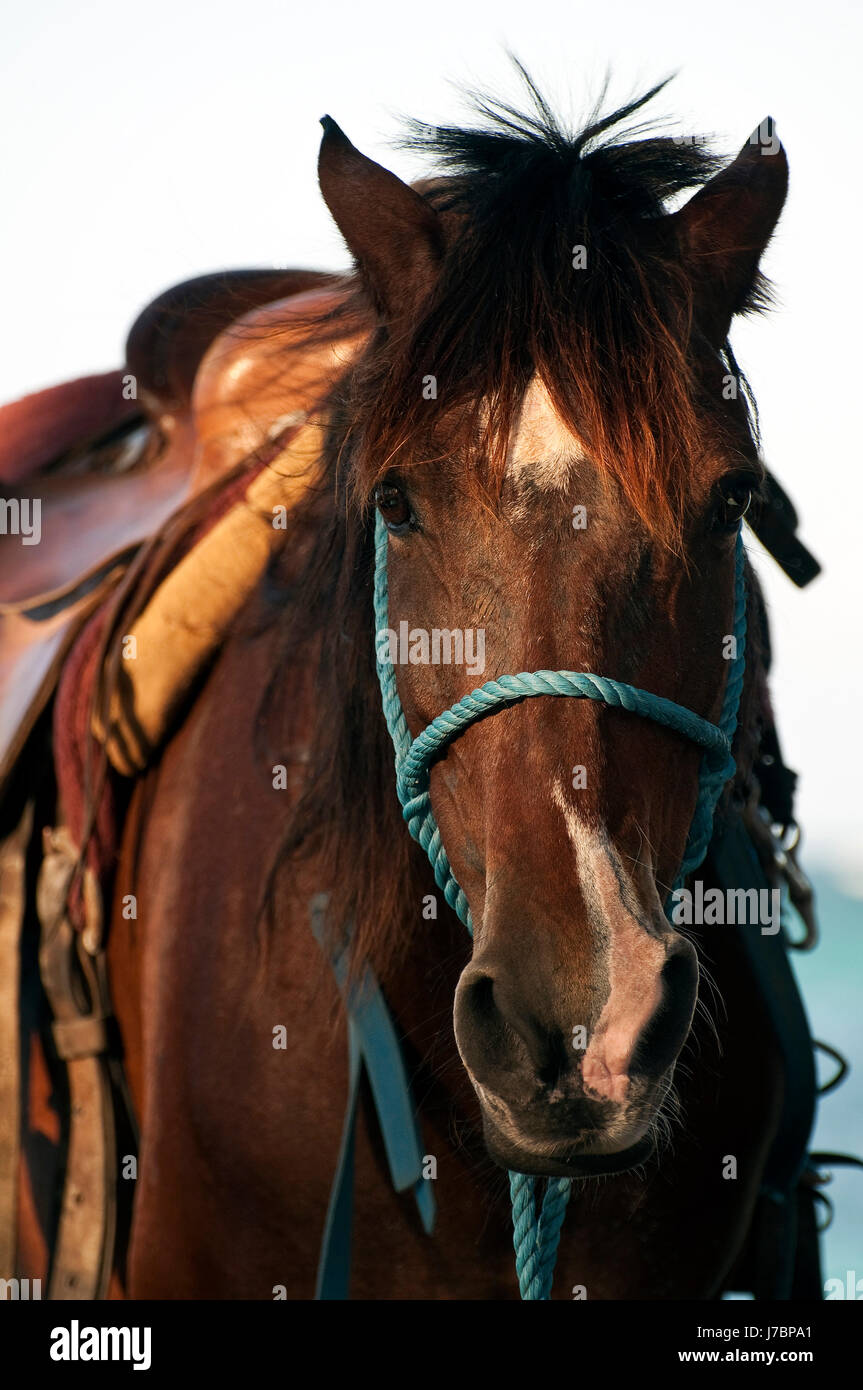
<point>145,144</point>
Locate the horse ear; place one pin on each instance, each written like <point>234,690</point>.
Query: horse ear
<point>725,228</point>
<point>394,235</point>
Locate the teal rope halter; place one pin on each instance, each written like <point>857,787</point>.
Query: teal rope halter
<point>536,1238</point>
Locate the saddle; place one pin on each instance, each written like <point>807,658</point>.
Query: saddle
<point>198,395</point>
<point>203,413</point>
<point>210,411</point>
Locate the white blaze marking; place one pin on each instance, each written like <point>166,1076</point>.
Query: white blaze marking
<point>542,450</point>
<point>634,958</point>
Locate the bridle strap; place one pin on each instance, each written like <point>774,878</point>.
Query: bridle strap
<point>536,1237</point>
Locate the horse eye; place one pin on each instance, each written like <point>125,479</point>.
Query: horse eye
<point>393,507</point>
<point>734,498</point>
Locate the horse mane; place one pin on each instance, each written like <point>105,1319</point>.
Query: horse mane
<point>612,346</point>
<point>612,342</point>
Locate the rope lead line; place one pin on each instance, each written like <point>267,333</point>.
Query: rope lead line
<point>536,1238</point>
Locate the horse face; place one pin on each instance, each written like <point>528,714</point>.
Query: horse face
<point>564,821</point>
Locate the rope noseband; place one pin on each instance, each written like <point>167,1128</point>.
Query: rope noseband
<point>536,1238</point>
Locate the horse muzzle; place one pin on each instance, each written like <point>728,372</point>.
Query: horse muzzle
<point>562,1099</point>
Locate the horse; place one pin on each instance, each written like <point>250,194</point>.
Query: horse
<point>525,407</point>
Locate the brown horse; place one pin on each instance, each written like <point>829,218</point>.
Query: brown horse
<point>537,394</point>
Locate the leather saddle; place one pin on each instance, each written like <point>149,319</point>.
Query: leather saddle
<point>217,374</point>
<point>108,459</point>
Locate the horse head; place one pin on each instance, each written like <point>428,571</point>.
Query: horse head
<point>552,427</point>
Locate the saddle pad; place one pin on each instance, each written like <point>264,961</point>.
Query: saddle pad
<point>189,616</point>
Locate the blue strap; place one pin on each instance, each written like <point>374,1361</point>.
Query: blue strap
<point>373,1045</point>
<point>334,1263</point>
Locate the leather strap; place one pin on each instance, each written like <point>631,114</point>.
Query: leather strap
<point>372,1044</point>
<point>75,983</point>
<point>79,1037</point>
<point>13,883</point>
<point>775,1233</point>
<point>774,521</point>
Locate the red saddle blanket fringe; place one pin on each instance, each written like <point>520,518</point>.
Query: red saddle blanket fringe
<point>80,794</point>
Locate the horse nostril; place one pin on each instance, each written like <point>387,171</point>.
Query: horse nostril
<point>498,1036</point>
<point>492,1051</point>
<point>481,1029</point>
<point>666,1032</point>
<point>481,992</point>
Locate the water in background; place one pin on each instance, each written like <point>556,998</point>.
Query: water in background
<point>831,982</point>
